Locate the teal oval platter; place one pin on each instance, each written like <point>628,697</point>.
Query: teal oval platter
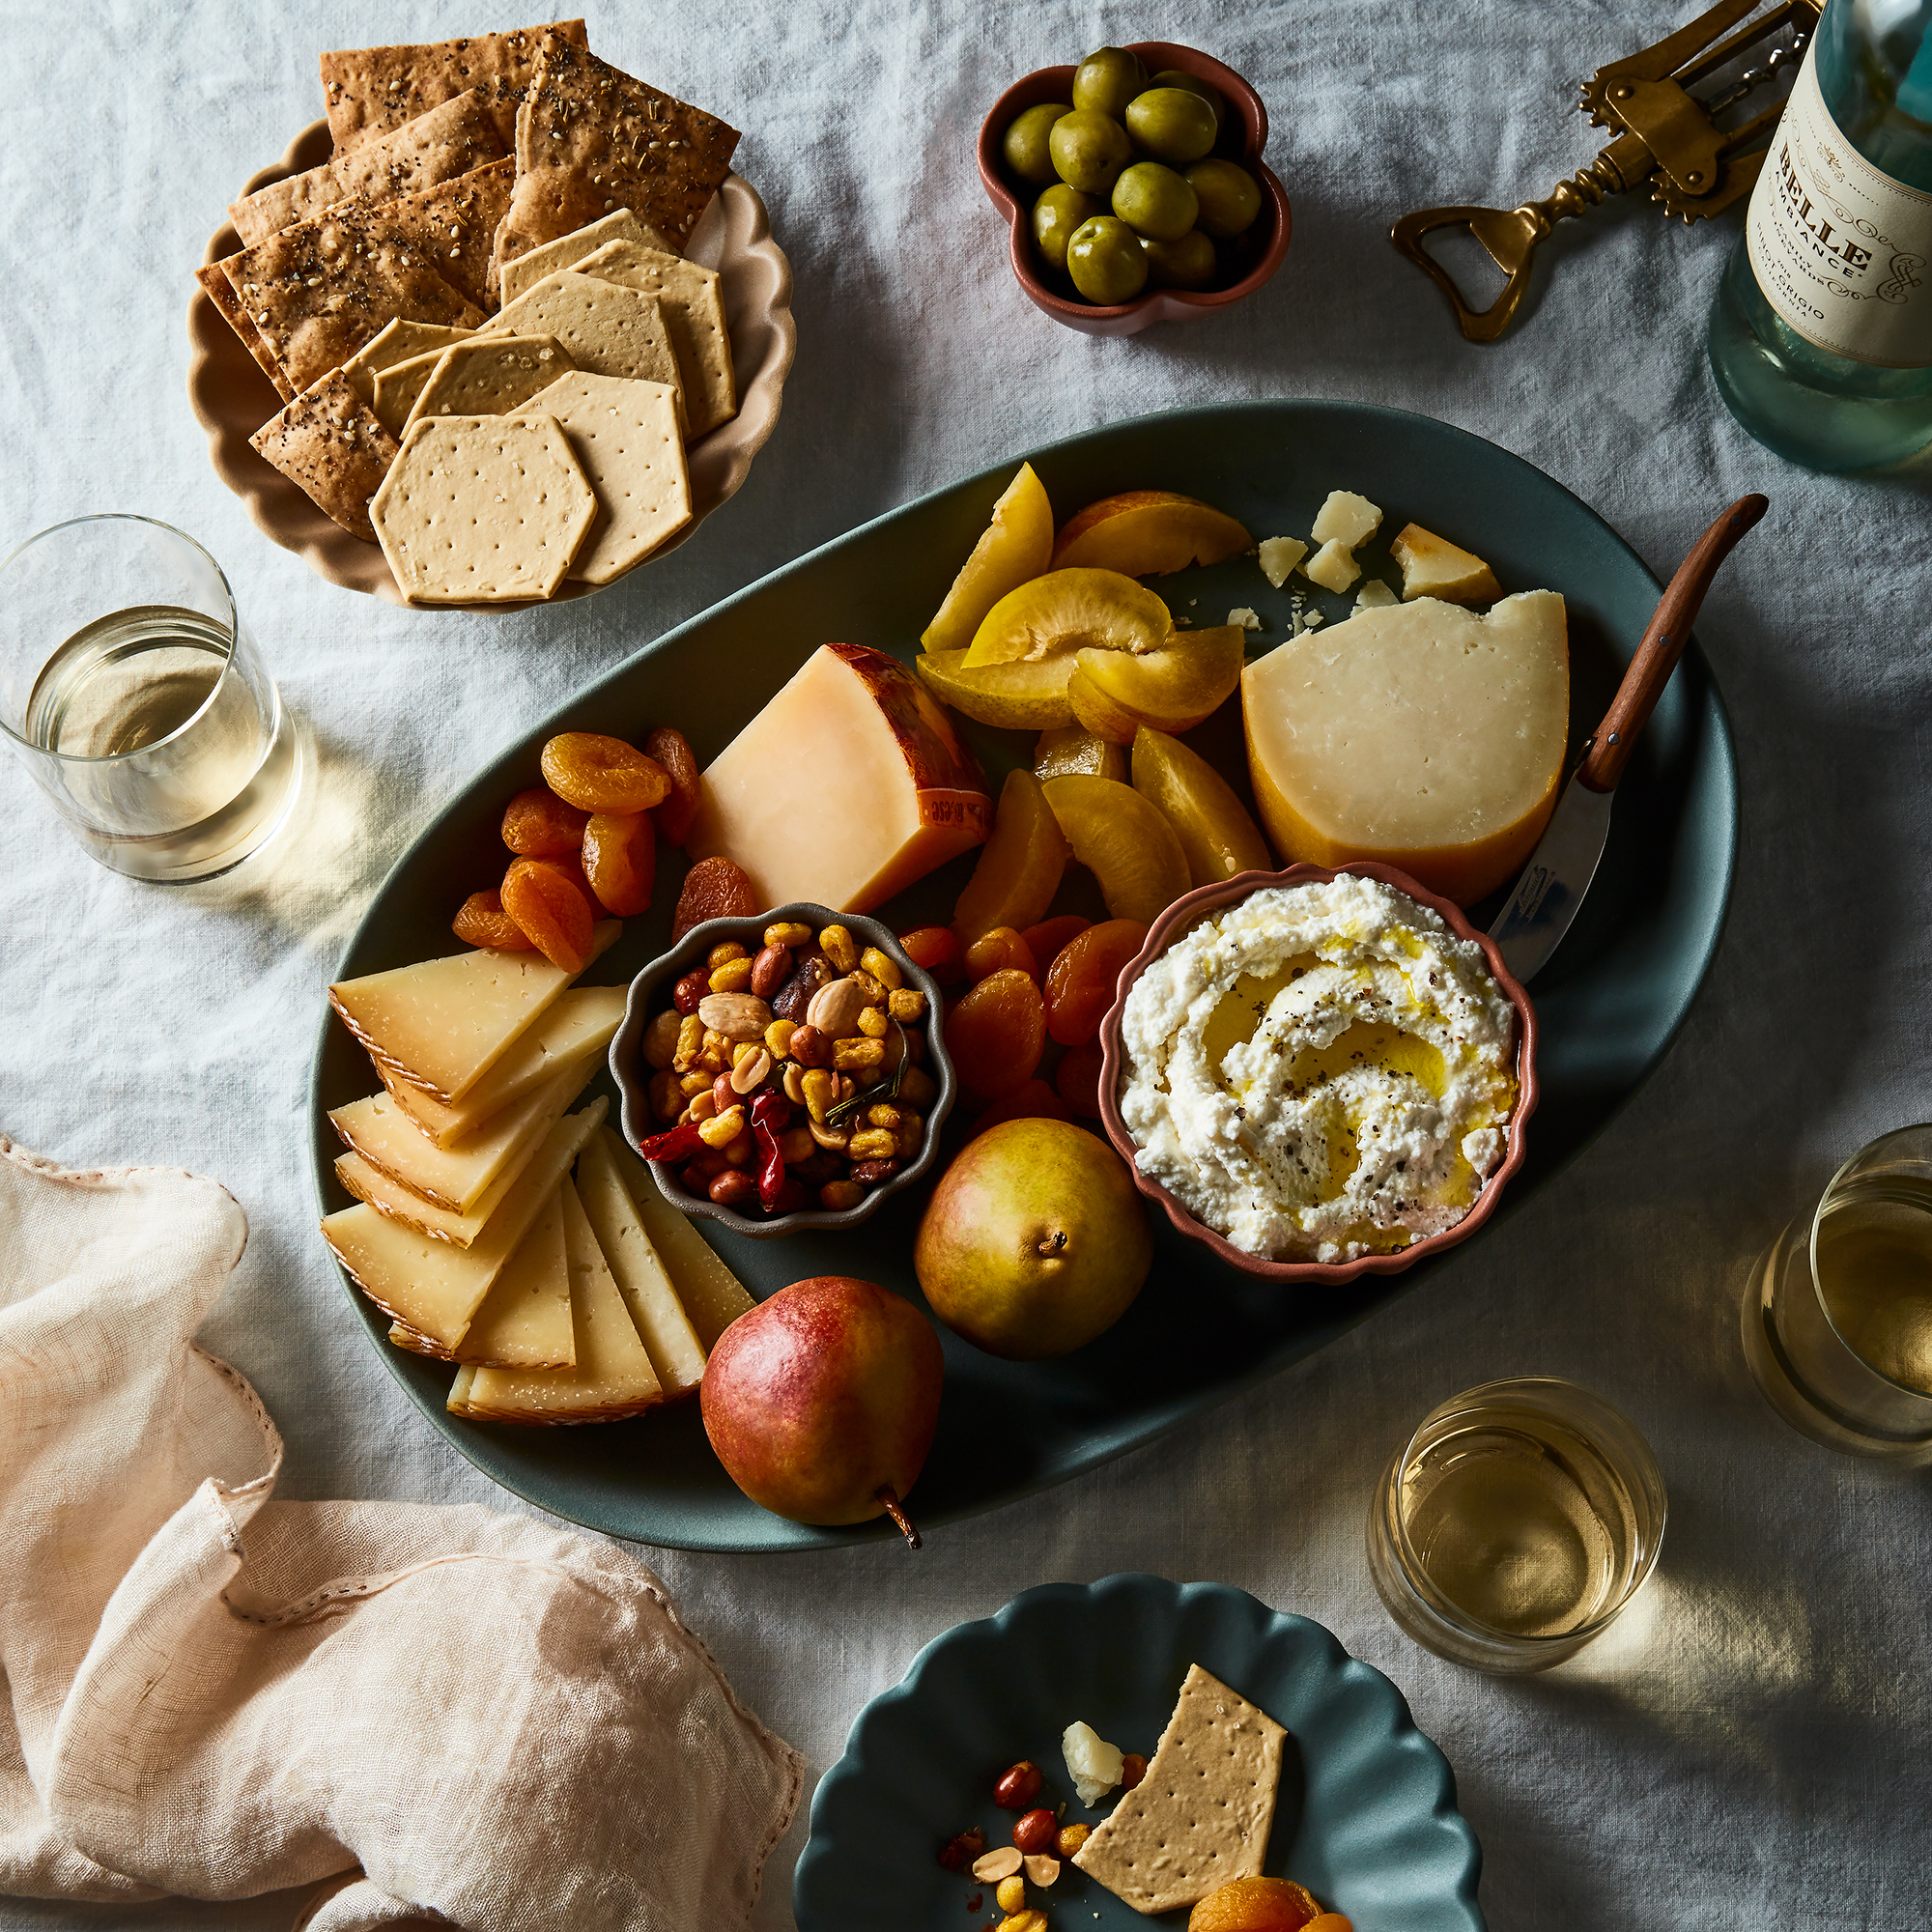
<point>1608,1002</point>
<point>1365,1814</point>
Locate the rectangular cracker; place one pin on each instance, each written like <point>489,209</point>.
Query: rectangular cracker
<point>370,90</point>
<point>327,440</point>
<point>693,313</point>
<point>606,329</point>
<point>489,376</point>
<point>398,387</point>
<point>216,287</point>
<point>454,225</point>
<point>568,250</point>
<point>592,139</point>
<point>449,141</point>
<point>397,341</point>
<point>1201,1815</point>
<point>624,435</point>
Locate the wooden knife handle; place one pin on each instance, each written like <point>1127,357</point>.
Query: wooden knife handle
<point>1662,646</point>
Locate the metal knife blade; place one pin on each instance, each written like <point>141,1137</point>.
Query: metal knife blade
<point>1553,883</point>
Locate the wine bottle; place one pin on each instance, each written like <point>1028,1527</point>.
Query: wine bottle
<point>1821,334</point>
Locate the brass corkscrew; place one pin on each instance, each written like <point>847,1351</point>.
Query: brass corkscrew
<point>1667,135</point>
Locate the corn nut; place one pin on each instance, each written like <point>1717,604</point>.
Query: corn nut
<point>906,1004</point>
<point>882,969</point>
<point>788,932</point>
<point>722,1129</point>
<point>873,1144</point>
<point>778,1038</point>
<point>723,954</point>
<point>873,989</point>
<point>884,1115</point>
<point>733,976</point>
<point>839,946</point>
<point>1011,1892</point>
<point>859,1056</point>
<point>694,1082</point>
<point>820,1090</point>
<point>690,1043</point>
<point>874,1023</point>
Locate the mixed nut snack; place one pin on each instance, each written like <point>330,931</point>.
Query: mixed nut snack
<point>790,1078</point>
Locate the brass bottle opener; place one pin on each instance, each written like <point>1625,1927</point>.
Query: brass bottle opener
<point>1667,135</point>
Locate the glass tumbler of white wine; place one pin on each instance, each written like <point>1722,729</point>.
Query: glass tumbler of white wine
<point>1837,1316</point>
<point>1516,1524</point>
<point>134,695</point>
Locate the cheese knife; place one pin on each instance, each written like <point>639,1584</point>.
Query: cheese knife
<point>1560,869</point>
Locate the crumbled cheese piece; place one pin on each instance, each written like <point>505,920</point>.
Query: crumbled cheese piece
<point>1248,620</point>
<point>1346,519</point>
<point>1279,555</point>
<point>1091,1762</point>
<point>1333,566</point>
<point>1375,595</point>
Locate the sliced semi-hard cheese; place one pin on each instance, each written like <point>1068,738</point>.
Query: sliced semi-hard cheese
<point>711,1295</point>
<point>612,1375</point>
<point>1423,736</point>
<point>387,1195</point>
<point>435,1287</point>
<point>676,1353</point>
<point>906,797</point>
<point>441,1024</point>
<point>524,1319</point>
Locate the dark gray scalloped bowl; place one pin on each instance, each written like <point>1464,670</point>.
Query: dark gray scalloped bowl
<point>650,994</point>
<point>1365,1816</point>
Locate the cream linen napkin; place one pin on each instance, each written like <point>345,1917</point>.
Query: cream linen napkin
<point>216,1694</point>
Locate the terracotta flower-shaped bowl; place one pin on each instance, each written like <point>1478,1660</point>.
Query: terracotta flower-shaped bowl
<point>1172,923</point>
<point>1243,135</point>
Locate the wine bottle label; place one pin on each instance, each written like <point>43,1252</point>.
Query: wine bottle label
<point>1841,251</point>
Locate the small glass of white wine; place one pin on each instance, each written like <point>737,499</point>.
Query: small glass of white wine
<point>1516,1524</point>
<point>132,693</point>
<point>1837,1316</point>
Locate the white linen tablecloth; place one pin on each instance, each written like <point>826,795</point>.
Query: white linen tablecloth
<point>1747,1747</point>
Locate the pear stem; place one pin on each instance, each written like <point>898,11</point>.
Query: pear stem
<point>908,1529</point>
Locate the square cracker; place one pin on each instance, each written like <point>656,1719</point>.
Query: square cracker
<point>329,442</point>
<point>482,510</point>
<point>401,383</point>
<point>592,139</point>
<point>1201,1815</point>
<point>567,250</point>
<point>625,435</point>
<point>454,225</point>
<point>216,287</point>
<point>369,90</point>
<point>397,341</point>
<point>693,313</point>
<point>606,329</point>
<point>489,376</point>
<point>451,140</point>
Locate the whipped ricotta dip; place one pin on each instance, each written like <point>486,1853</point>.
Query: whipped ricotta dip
<point>1320,1071</point>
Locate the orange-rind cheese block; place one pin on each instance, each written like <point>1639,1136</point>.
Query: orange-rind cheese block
<point>846,787</point>
<point>1423,736</point>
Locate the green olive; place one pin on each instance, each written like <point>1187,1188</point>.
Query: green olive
<point>1171,124</point>
<point>1107,79</point>
<point>1155,201</point>
<point>1088,151</point>
<point>1025,146</point>
<point>1229,197</point>
<point>1104,258</point>
<point>1055,215</point>
<point>1172,76</point>
<point>1186,264</point>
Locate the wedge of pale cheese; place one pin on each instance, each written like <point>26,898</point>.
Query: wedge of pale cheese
<point>676,1353</point>
<point>1424,736</point>
<point>909,796</point>
<point>524,1319</point>
<point>388,1196</point>
<point>577,1028</point>
<point>441,1024</point>
<point>435,1287</point>
<point>611,1375</point>
<point>711,1295</point>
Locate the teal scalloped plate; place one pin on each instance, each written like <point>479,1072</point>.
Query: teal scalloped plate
<point>1365,1818</point>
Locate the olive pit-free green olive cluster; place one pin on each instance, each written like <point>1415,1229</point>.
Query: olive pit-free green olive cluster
<point>1131,192</point>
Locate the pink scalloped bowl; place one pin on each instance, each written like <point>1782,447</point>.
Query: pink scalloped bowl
<point>1271,226</point>
<point>1207,898</point>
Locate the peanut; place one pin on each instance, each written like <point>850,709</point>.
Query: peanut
<point>821,1091</point>
<point>722,1129</point>
<point>733,976</point>
<point>1042,1869</point>
<point>788,932</point>
<point>870,1172</point>
<point>731,1187</point>
<point>874,1023</point>
<point>794,1084</point>
<point>722,955</point>
<point>750,1072</point>
<point>834,1138</point>
<point>690,989</point>
<point>809,1047</point>
<point>739,1152</point>
<point>690,1043</point>
<point>873,1144</point>
<point>838,946</point>
<point>840,1195</point>
<point>770,969</point>
<point>906,1004</point>
<point>703,1107</point>
<point>882,969</point>
<point>734,1015</point>
<point>778,1039</point>
<point>859,1056</point>
<point>1002,1862</point>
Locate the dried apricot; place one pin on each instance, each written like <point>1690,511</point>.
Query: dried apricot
<point>1080,983</point>
<point>997,950</point>
<point>1077,1080</point>
<point>668,747</point>
<point>713,889</point>
<point>1035,1101</point>
<point>481,920</point>
<point>620,860</point>
<point>1254,1905</point>
<point>996,1034</point>
<point>599,774</point>
<point>537,824</point>
<point>546,902</point>
<point>935,948</point>
<point>1047,940</point>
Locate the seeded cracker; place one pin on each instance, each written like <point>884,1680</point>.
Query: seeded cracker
<point>1201,1815</point>
<point>605,328</point>
<point>568,250</point>
<point>625,435</point>
<point>693,313</point>
<point>449,141</point>
<point>489,376</point>
<point>215,286</point>
<point>454,226</point>
<point>329,442</point>
<point>482,510</point>
<point>398,341</point>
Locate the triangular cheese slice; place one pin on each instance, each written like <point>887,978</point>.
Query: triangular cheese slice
<point>711,1295</point>
<point>612,1376</point>
<point>578,1027</point>
<point>676,1353</point>
<point>435,1287</point>
<point>524,1319</point>
<point>441,1024</point>
<point>388,1196</point>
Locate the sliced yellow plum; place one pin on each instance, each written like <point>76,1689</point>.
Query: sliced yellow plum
<point>1019,868</point>
<point>1015,697</point>
<point>1214,826</point>
<point>1432,566</point>
<point>1172,689</point>
<point>1126,844</point>
<point>1073,751</point>
<point>1016,544</point>
<point>1148,533</point>
<point>1068,611</point>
